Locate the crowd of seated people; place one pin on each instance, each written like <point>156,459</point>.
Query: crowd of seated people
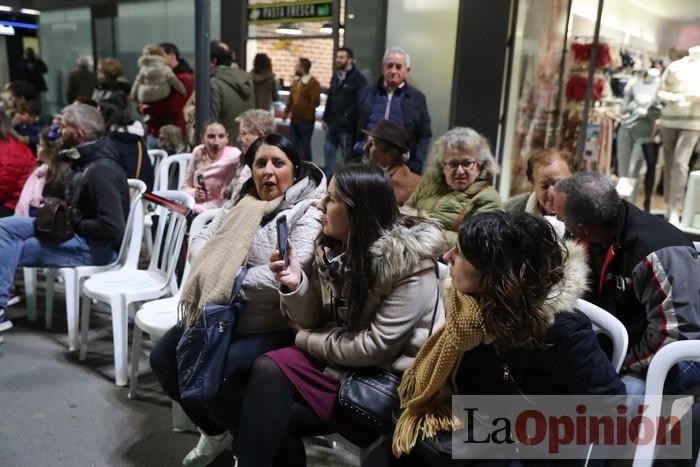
<point>360,286</point>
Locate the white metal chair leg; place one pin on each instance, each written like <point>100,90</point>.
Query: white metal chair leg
<point>84,327</point>
<point>135,360</point>
<point>120,335</point>
<point>30,292</point>
<point>50,281</point>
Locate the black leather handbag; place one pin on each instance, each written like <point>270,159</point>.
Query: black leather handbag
<point>369,396</point>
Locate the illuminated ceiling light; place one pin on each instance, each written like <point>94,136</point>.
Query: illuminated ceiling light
<point>28,11</point>
<point>327,28</point>
<point>5,8</point>
<point>288,30</point>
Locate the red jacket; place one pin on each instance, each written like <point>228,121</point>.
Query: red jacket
<point>16,164</point>
<point>168,111</point>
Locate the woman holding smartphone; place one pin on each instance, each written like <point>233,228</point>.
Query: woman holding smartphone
<point>244,234</point>
<point>214,164</point>
<point>369,299</point>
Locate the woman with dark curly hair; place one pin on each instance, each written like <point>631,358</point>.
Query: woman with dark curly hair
<point>511,328</point>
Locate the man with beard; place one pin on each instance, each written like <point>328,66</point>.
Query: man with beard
<point>340,115</point>
<point>97,195</point>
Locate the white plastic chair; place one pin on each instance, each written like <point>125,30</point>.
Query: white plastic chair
<point>156,156</point>
<point>610,326</point>
<point>72,276</point>
<point>163,174</point>
<point>158,316</point>
<point>691,206</point>
<point>125,286</point>
<point>661,363</point>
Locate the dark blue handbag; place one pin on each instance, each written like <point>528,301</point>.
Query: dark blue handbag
<point>203,348</point>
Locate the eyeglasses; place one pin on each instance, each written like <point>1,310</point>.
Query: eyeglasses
<point>455,165</point>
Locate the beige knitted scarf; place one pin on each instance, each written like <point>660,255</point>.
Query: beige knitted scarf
<point>425,387</point>
<point>215,268</point>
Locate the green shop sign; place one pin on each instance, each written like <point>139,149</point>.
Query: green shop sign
<point>290,12</point>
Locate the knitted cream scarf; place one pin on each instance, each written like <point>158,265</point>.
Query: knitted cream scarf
<point>215,268</point>
<point>424,390</point>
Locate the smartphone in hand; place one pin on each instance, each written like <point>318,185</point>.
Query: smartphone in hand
<point>200,182</point>
<point>282,236</point>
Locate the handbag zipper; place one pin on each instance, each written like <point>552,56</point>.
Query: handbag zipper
<point>221,327</point>
<point>506,373</point>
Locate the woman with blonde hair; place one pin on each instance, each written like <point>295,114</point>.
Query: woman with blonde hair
<point>457,183</point>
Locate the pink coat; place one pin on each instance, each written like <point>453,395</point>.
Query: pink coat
<point>31,191</point>
<point>217,175</point>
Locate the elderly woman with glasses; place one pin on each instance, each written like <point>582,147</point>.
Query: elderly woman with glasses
<point>457,183</point>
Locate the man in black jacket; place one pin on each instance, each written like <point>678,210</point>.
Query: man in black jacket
<point>340,116</point>
<point>394,99</point>
<point>644,271</point>
<point>98,198</point>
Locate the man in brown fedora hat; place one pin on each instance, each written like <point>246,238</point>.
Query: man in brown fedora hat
<point>387,147</point>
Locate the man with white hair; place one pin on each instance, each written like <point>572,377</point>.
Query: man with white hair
<point>392,98</point>
<point>97,198</point>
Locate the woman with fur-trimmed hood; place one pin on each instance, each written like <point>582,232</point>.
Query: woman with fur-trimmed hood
<point>369,299</point>
<point>511,328</point>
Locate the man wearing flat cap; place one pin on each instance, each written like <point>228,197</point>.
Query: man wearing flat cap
<point>387,147</point>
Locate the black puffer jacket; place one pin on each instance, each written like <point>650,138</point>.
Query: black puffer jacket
<point>102,206</point>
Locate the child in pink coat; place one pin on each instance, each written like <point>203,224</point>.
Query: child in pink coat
<point>214,164</point>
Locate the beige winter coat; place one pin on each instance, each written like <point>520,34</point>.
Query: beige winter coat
<point>397,314</point>
<point>155,80</point>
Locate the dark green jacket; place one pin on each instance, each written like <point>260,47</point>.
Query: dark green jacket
<point>434,199</point>
<point>231,95</point>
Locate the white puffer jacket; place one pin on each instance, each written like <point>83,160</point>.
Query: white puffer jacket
<point>261,312</point>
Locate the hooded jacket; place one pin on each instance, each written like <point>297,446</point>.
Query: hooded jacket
<point>231,95</point>
<point>265,88</point>
<point>102,206</point>
<point>434,199</point>
<point>155,80</point>
<point>571,362</point>
<point>397,315</point>
<point>261,310</point>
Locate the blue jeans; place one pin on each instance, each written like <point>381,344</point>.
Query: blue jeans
<point>681,377</point>
<point>20,247</point>
<point>336,138</point>
<point>300,133</point>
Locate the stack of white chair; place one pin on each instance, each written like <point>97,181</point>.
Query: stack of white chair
<point>124,287</point>
<point>73,276</point>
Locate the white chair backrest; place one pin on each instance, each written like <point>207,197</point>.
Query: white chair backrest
<point>661,363</point>
<point>697,246</point>
<point>179,160</point>
<point>156,156</point>
<point>198,224</point>
<point>170,232</point>
<point>691,205</point>
<point>610,326</point>
<point>133,232</point>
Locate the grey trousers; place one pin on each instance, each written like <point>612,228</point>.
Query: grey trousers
<point>678,147</point>
<point>629,147</point>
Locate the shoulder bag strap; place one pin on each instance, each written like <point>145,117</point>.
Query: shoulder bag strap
<point>238,284</point>
<point>437,298</point>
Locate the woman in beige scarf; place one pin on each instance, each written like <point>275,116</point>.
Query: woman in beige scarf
<point>244,234</point>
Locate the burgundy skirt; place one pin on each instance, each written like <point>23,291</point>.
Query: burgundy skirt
<point>319,390</point>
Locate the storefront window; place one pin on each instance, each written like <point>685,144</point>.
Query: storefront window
<point>64,35</point>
